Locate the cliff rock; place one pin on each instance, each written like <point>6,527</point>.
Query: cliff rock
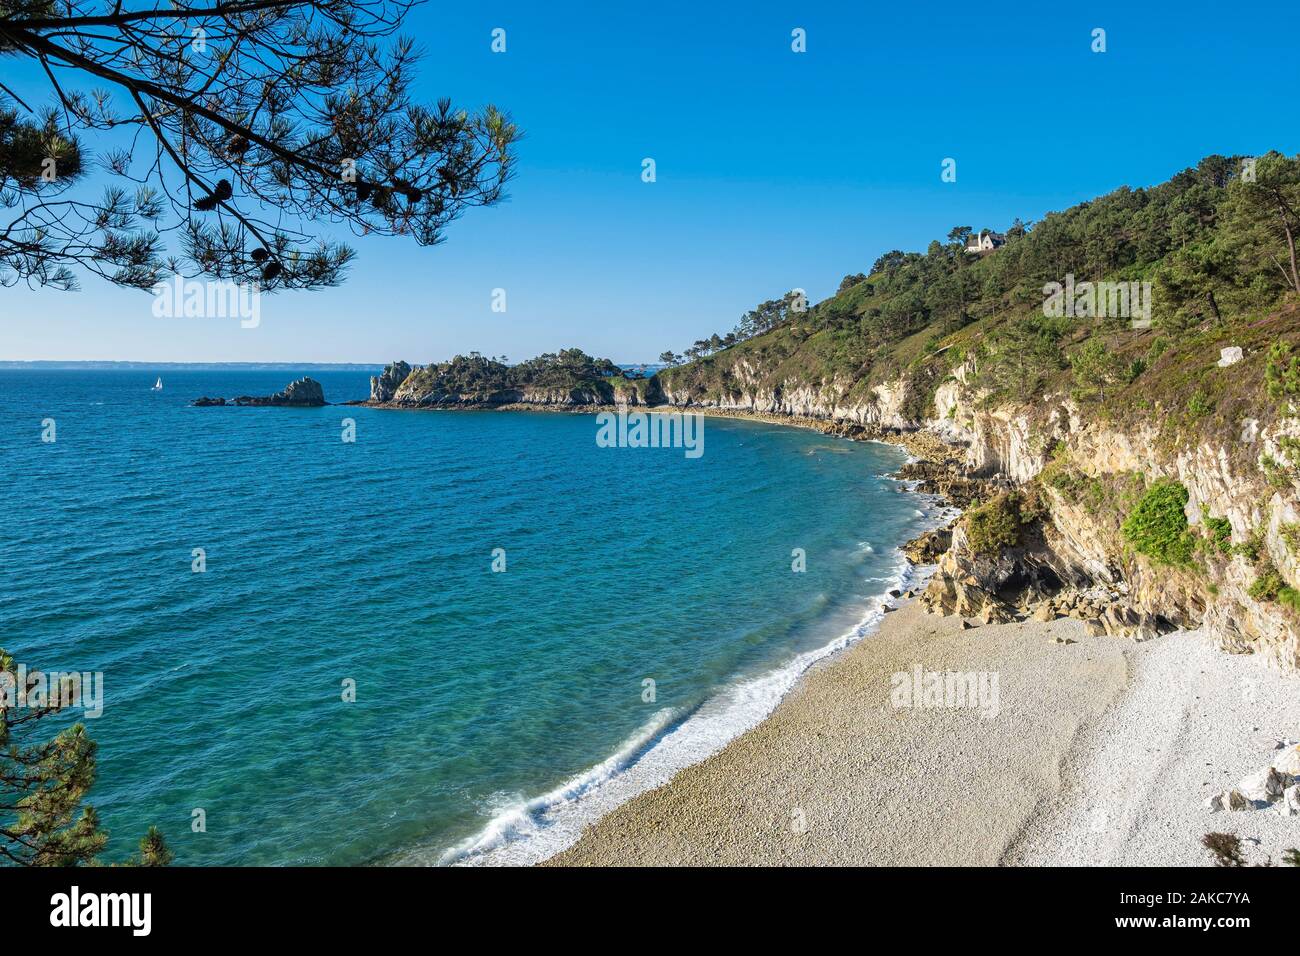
<point>385,385</point>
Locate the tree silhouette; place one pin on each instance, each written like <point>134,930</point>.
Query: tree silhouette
<point>230,133</point>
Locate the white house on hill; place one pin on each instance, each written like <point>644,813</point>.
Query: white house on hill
<point>986,241</point>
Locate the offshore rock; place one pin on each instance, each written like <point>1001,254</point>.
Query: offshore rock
<point>304,393</point>
<point>385,385</point>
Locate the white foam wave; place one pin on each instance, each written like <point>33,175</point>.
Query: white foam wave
<point>527,831</point>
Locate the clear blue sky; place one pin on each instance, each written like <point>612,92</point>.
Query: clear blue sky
<point>775,169</point>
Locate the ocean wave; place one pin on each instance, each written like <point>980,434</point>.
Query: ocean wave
<point>527,831</point>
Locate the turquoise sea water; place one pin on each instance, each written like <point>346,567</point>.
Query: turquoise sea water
<point>494,712</point>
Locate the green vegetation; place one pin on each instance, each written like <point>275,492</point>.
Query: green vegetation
<point>1267,584</point>
<point>1095,368</point>
<point>1218,531</point>
<point>1252,547</point>
<point>1277,474</point>
<point>1291,535</point>
<point>43,781</point>
<point>1199,405</point>
<point>1213,246</point>
<point>476,376</point>
<point>1157,526</point>
<point>999,524</point>
<point>1282,373</point>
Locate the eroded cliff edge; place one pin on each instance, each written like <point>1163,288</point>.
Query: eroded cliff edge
<point>1159,511</point>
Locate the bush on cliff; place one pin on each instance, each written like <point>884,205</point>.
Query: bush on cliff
<point>1218,531</point>
<point>1157,526</point>
<point>1282,373</point>
<point>997,525</point>
<point>1267,584</point>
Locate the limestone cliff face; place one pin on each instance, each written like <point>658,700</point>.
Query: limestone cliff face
<point>835,400</point>
<point>1076,548</point>
<point>1083,548</point>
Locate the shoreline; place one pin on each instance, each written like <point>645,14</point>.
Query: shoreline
<point>838,776</point>
<point>652,757</point>
<point>1079,766</point>
<point>829,426</point>
<point>1084,766</point>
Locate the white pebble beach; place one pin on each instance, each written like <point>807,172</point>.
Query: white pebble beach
<point>1103,751</point>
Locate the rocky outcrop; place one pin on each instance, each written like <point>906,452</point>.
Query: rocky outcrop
<point>423,388</point>
<point>303,393</point>
<point>1275,787</point>
<point>746,389</point>
<point>385,385</point>
<point>1078,543</point>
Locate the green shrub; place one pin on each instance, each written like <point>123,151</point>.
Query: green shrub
<point>1218,530</point>
<point>1290,448</point>
<point>1199,405</point>
<point>995,526</point>
<point>1158,348</point>
<point>1275,473</point>
<point>1282,372</point>
<point>1267,584</point>
<point>1250,548</point>
<point>1289,598</point>
<point>1157,526</point>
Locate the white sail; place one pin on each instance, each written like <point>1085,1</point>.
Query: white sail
<point>158,385</point>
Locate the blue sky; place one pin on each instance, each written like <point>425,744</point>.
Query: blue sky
<point>775,169</point>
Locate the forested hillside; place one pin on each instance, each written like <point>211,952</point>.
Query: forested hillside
<point>1216,242</point>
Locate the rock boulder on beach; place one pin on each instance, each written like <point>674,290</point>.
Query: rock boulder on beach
<point>1287,760</point>
<point>1289,805</point>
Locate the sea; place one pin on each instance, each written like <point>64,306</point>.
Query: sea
<point>354,636</point>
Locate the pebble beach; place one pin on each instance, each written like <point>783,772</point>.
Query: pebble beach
<point>1102,751</point>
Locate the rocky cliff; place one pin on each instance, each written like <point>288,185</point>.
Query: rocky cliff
<point>748,386</point>
<point>384,386</point>
<point>1060,480</point>
<point>569,380</point>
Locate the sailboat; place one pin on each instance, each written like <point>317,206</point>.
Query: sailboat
<point>157,386</point>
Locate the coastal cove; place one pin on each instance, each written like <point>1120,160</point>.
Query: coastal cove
<point>478,693</point>
<point>1111,750</point>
